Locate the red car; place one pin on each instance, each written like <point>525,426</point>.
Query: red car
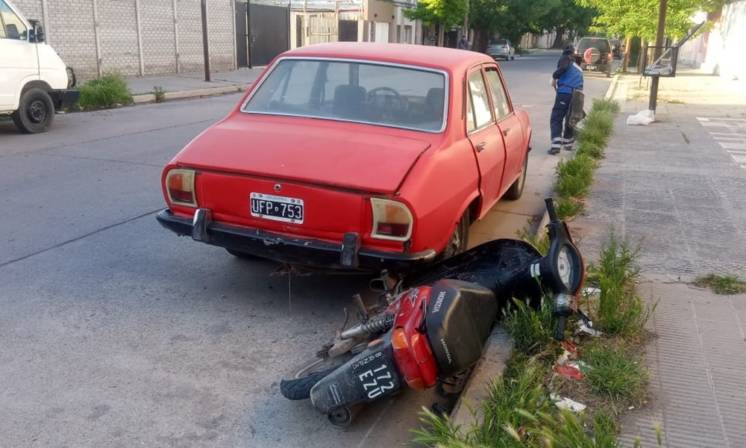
<point>355,156</point>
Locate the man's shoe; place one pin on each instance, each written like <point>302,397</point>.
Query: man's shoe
<point>554,151</point>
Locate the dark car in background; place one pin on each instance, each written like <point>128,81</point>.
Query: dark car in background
<point>501,49</point>
<point>594,54</point>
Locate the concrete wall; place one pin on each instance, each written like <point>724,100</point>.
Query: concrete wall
<point>168,38</point>
<point>726,43</point>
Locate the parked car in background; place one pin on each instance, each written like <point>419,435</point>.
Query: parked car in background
<point>594,54</point>
<point>353,156</point>
<point>34,82</point>
<point>501,49</point>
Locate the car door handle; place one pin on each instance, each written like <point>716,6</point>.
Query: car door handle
<point>481,146</point>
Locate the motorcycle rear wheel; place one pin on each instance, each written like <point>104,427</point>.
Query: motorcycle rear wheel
<point>307,375</point>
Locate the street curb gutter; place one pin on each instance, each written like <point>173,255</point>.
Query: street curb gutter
<point>183,94</point>
<point>497,351</point>
<point>498,348</point>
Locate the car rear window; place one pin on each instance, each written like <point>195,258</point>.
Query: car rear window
<point>388,95</point>
<point>599,43</point>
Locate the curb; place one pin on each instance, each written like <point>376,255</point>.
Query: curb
<point>145,98</point>
<point>497,351</point>
<point>612,87</point>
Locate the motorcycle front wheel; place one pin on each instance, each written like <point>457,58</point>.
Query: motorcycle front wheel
<point>299,386</point>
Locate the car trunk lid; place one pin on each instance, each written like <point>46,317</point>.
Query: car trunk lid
<point>353,156</point>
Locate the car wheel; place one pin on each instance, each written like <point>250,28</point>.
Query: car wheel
<point>243,255</point>
<point>459,238</point>
<point>516,190</point>
<point>35,111</point>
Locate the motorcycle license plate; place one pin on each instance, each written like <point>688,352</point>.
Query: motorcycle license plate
<point>375,375</point>
<point>277,208</point>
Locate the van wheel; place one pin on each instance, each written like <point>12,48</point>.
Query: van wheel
<point>516,190</point>
<point>459,239</point>
<point>35,111</point>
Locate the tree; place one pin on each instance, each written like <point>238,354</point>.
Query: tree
<point>444,13</point>
<point>511,18</point>
<point>567,16</point>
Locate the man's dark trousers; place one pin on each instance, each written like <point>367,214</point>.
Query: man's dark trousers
<point>561,131</point>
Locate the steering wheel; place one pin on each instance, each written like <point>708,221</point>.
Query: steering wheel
<point>390,92</point>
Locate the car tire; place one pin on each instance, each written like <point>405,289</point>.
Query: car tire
<point>516,190</point>
<point>35,111</point>
<point>459,240</point>
<point>242,255</point>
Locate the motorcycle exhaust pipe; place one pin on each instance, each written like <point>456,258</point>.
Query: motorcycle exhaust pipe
<point>375,325</point>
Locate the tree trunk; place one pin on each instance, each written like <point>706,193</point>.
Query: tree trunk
<point>625,61</point>
<point>558,40</point>
<point>641,56</point>
<point>441,34</point>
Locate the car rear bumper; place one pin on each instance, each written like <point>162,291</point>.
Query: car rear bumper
<point>282,248</point>
<point>64,98</point>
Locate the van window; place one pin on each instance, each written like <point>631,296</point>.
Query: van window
<point>11,26</point>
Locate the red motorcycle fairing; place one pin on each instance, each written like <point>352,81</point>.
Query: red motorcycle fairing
<point>412,352</point>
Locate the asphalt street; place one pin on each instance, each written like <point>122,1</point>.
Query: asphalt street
<point>115,332</point>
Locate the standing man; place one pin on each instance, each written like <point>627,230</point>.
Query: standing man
<point>566,79</point>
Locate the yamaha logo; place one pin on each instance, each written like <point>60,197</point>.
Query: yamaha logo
<point>278,187</point>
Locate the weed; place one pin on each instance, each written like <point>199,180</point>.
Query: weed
<point>572,431</point>
<point>513,401</point>
<point>614,373</point>
<point>530,329</point>
<point>569,207</point>
<point>574,176</point>
<point>159,93</point>
<point>539,240</point>
<point>619,309</point>
<point>721,284</point>
<point>108,91</point>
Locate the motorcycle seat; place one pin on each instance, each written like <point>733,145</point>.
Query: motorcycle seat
<point>459,319</point>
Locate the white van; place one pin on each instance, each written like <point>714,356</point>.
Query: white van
<point>34,82</point>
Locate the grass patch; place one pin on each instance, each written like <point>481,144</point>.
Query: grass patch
<point>530,329</point>
<point>105,92</point>
<point>536,239</point>
<point>614,373</point>
<point>575,176</point>
<point>619,310</point>
<point>159,94</point>
<point>520,412</point>
<point>722,284</point>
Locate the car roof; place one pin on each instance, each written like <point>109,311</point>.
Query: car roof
<point>448,59</point>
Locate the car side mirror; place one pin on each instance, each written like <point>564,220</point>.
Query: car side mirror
<point>37,32</point>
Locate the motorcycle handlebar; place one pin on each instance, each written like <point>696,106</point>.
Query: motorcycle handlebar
<point>551,210</point>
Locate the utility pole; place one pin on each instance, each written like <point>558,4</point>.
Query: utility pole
<point>205,46</point>
<point>659,36</point>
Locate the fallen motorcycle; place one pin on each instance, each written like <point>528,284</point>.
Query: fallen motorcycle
<point>434,330</point>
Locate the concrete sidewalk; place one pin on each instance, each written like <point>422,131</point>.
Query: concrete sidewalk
<point>193,84</point>
<point>677,187</point>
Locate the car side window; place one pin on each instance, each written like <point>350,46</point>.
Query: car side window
<point>11,26</point>
<point>499,97</point>
<point>480,101</point>
<point>469,114</point>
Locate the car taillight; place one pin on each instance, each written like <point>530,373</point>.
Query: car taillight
<point>392,220</point>
<point>180,187</point>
